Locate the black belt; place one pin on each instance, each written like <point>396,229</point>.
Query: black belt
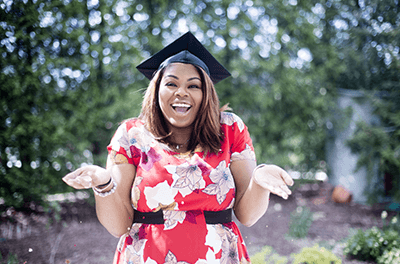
<point>218,217</point>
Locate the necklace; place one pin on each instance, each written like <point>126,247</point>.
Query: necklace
<point>178,146</point>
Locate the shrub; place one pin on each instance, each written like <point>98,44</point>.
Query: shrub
<point>369,245</point>
<point>259,257</point>
<point>390,256</point>
<point>268,256</point>
<point>300,222</point>
<point>393,224</point>
<point>315,255</point>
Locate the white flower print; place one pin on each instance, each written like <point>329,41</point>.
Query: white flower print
<point>221,237</point>
<point>222,180</point>
<point>171,218</point>
<point>136,191</point>
<point>120,139</point>
<point>230,118</point>
<point>213,240</point>
<point>210,258</point>
<point>246,154</point>
<point>171,259</point>
<point>162,193</point>
<point>229,245</point>
<point>141,139</point>
<point>134,248</point>
<point>132,257</point>
<point>187,178</point>
<point>138,241</point>
<point>150,261</point>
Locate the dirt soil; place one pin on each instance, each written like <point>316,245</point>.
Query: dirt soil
<point>78,237</point>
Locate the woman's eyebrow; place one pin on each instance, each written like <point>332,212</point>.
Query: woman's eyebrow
<point>176,77</point>
<point>173,76</point>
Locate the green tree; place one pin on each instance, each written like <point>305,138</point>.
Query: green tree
<point>370,51</point>
<point>58,105</point>
<point>68,75</point>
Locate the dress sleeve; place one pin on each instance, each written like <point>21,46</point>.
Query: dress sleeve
<point>119,147</point>
<point>241,145</point>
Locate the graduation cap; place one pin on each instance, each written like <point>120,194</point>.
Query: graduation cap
<point>186,49</point>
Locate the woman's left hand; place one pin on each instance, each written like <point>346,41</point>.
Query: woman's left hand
<point>274,179</point>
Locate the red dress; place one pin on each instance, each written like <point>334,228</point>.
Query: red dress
<point>183,186</point>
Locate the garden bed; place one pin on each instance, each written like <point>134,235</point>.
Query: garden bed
<point>78,237</point>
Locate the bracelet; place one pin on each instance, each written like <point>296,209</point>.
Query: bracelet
<point>99,192</point>
<point>101,186</point>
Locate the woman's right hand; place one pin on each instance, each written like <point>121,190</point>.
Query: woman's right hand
<point>87,177</point>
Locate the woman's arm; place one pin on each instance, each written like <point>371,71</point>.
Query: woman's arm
<point>114,211</point>
<point>253,188</point>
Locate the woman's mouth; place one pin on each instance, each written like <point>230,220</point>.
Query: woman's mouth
<point>181,108</point>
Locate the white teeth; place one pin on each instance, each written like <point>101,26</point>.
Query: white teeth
<point>181,105</point>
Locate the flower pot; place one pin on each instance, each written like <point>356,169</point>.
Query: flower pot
<point>341,195</point>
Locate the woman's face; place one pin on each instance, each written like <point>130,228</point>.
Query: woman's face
<point>180,95</point>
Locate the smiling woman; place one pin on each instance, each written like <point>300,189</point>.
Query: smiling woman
<point>175,174</point>
<point>180,97</point>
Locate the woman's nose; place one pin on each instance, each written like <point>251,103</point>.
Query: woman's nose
<point>181,92</point>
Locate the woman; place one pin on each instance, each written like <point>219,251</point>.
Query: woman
<point>175,173</point>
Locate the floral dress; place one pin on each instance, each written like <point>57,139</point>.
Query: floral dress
<point>182,186</point>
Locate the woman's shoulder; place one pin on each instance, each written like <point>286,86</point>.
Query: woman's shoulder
<point>229,119</point>
<point>131,122</point>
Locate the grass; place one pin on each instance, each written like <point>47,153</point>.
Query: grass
<point>11,259</point>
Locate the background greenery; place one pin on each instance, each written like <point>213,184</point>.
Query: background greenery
<point>68,78</point>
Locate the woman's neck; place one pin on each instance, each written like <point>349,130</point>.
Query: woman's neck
<point>179,139</point>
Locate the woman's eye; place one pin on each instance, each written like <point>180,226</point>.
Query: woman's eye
<point>170,84</point>
<point>194,86</point>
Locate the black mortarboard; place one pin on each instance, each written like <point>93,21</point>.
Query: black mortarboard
<point>186,49</point>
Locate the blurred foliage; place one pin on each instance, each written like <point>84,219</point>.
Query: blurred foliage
<point>68,75</point>
<point>370,245</point>
<point>300,222</point>
<point>371,56</point>
<point>375,143</point>
<point>64,89</point>
<point>267,255</point>
<point>10,259</point>
<point>379,245</point>
<point>315,254</point>
<point>390,256</point>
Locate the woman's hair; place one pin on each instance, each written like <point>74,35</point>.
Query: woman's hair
<point>206,128</point>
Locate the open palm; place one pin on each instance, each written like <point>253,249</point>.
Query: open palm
<point>87,177</point>
<point>274,179</point>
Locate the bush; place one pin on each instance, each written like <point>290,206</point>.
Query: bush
<point>316,255</point>
<point>393,224</point>
<point>390,256</point>
<point>268,256</point>
<point>300,222</point>
<point>371,244</point>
